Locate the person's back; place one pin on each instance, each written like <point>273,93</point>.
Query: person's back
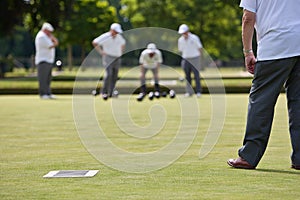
<point>277,27</point>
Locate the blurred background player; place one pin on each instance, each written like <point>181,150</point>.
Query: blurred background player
<point>111,46</point>
<point>151,59</point>
<point>45,44</point>
<point>191,48</point>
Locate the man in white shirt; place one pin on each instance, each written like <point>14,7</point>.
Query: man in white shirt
<point>277,64</point>
<point>150,59</point>
<point>45,44</point>
<point>111,46</point>
<point>191,48</point>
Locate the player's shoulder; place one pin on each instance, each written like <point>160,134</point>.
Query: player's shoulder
<point>102,37</point>
<point>194,36</point>
<point>181,38</point>
<point>157,51</point>
<point>146,51</point>
<point>40,34</point>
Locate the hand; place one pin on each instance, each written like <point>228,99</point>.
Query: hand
<point>99,49</point>
<point>250,61</point>
<point>103,53</point>
<point>54,40</point>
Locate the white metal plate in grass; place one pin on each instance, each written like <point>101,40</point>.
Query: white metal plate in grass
<point>71,174</point>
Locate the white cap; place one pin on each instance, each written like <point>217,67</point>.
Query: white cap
<point>151,46</point>
<point>116,27</point>
<point>47,26</point>
<point>183,28</point>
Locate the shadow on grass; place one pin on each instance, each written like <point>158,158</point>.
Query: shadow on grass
<point>278,171</point>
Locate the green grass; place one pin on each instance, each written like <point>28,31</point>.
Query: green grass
<point>38,136</point>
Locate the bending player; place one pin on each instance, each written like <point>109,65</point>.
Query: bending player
<point>150,58</point>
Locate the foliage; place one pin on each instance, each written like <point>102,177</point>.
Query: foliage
<point>97,15</point>
<point>216,22</point>
<point>77,22</point>
<point>52,11</point>
<point>11,13</point>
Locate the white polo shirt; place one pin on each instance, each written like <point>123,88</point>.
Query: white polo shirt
<point>147,61</point>
<point>277,27</point>
<point>190,46</point>
<point>43,51</point>
<point>111,46</point>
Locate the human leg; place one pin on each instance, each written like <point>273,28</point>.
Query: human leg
<point>143,80</point>
<point>107,80</point>
<point>195,62</point>
<point>44,78</point>
<point>156,79</point>
<point>267,83</point>
<point>293,100</point>
<point>143,84</point>
<point>156,82</point>
<point>187,71</point>
<point>115,67</point>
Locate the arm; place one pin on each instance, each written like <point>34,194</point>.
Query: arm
<point>200,51</point>
<point>248,22</point>
<point>122,48</point>
<point>54,41</point>
<point>98,48</point>
<point>159,60</point>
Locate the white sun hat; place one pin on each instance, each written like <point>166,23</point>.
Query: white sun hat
<point>183,28</point>
<point>116,27</point>
<point>47,26</point>
<point>151,47</point>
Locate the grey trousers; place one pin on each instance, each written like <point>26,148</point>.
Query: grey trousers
<point>269,79</point>
<point>112,65</point>
<point>190,65</point>
<point>44,77</point>
<point>143,79</point>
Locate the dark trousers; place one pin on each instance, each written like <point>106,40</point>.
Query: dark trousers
<point>112,65</point>
<point>44,77</point>
<point>269,78</point>
<point>192,65</point>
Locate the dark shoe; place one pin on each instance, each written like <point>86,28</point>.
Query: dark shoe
<point>239,163</point>
<point>297,167</point>
<point>140,97</point>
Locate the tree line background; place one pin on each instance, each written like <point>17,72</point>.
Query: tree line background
<point>78,22</point>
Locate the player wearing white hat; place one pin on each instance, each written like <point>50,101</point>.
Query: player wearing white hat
<point>190,46</point>
<point>150,59</point>
<point>111,46</point>
<point>45,44</point>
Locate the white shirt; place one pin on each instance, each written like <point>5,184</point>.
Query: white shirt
<point>277,27</point>
<point>190,46</point>
<point>147,61</point>
<point>43,51</point>
<point>111,46</point>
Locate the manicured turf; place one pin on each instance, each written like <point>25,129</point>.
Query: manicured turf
<point>37,136</point>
